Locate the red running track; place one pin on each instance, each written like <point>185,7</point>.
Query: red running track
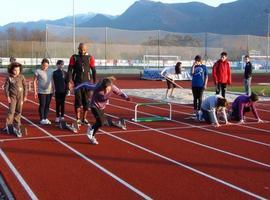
<point>190,161</point>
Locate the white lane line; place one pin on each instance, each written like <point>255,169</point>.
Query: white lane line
<point>180,164</point>
<point>87,159</point>
<point>176,162</point>
<point>191,141</point>
<point>18,176</point>
<point>82,134</point>
<point>200,127</point>
<point>37,138</point>
<point>195,126</point>
<point>203,145</point>
<point>190,168</point>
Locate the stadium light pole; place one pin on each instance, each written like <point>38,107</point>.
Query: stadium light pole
<point>74,28</point>
<point>268,32</point>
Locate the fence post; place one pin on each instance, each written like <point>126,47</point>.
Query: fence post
<point>7,48</point>
<point>106,29</point>
<point>205,47</point>
<point>158,49</point>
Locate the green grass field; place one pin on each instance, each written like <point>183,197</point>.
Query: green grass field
<point>259,89</point>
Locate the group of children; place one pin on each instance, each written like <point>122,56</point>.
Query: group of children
<point>207,109</point>
<point>47,83</point>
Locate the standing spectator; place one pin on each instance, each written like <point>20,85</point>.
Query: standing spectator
<point>12,59</point>
<point>60,79</point>
<point>43,89</point>
<point>222,74</point>
<point>243,104</point>
<point>169,73</point>
<point>199,74</point>
<point>16,93</point>
<point>247,75</point>
<point>79,72</point>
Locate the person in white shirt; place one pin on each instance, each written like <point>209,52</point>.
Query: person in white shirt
<point>169,73</point>
<point>43,90</point>
<point>210,107</point>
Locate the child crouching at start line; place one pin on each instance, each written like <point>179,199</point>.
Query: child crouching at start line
<point>100,98</point>
<point>210,107</point>
<point>244,104</point>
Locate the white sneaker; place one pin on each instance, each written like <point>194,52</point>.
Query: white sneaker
<point>57,119</point>
<point>43,121</point>
<point>62,118</point>
<point>93,140</point>
<point>121,125</point>
<point>90,132</point>
<point>199,115</point>
<point>18,133</point>
<point>48,121</point>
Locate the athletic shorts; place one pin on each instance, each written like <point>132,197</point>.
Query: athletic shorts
<point>170,84</point>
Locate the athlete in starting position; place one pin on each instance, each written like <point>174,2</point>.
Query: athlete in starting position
<point>100,98</point>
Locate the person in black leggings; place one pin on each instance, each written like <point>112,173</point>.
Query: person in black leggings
<point>60,78</point>
<point>101,94</point>
<point>199,82</point>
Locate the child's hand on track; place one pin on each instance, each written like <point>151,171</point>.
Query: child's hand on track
<point>241,121</point>
<point>217,125</point>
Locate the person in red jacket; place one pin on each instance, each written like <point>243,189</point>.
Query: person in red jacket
<point>222,74</point>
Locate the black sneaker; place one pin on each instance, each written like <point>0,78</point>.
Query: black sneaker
<point>85,121</point>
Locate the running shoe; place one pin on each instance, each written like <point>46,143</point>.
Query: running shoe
<point>90,132</point>
<point>93,140</point>
<point>85,121</point>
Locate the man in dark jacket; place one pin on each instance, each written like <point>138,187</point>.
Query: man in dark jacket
<point>222,74</point>
<point>247,75</point>
<point>79,72</point>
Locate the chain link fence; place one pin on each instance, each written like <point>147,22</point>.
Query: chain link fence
<point>127,47</point>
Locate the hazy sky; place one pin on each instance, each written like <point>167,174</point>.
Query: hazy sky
<point>34,10</point>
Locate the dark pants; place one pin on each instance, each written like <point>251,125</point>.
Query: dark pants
<point>15,111</point>
<point>81,98</point>
<point>236,113</point>
<point>44,105</point>
<point>170,84</point>
<point>197,97</point>
<point>221,87</point>
<point>208,116</point>
<point>100,118</point>
<point>60,104</point>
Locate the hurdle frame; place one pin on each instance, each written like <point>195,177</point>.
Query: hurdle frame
<point>154,117</point>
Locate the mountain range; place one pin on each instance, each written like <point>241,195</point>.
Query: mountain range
<point>238,17</point>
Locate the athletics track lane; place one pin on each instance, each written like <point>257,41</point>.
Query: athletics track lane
<point>152,140</point>
<point>148,177</point>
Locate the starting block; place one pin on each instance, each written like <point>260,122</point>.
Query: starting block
<point>153,118</point>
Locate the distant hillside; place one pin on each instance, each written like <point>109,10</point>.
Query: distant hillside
<point>41,24</point>
<point>239,17</point>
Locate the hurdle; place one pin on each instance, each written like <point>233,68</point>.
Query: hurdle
<point>153,117</point>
